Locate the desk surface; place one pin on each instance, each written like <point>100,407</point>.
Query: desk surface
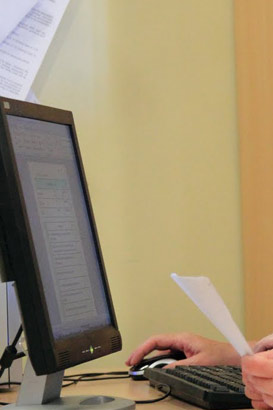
<point>127,388</point>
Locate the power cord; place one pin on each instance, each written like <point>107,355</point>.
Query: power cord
<point>160,387</point>
<point>75,378</point>
<point>9,384</point>
<point>10,353</point>
<point>84,377</point>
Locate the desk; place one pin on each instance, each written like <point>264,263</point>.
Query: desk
<point>127,388</point>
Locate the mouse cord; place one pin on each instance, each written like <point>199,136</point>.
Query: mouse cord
<point>75,378</point>
<point>161,387</point>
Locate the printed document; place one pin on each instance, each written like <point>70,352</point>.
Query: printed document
<point>60,227</point>
<point>11,13</point>
<point>202,292</point>
<point>23,50</point>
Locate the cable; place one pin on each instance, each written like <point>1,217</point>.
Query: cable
<point>159,387</point>
<point>10,353</point>
<point>84,377</point>
<point>10,384</point>
<point>121,373</point>
<point>17,336</point>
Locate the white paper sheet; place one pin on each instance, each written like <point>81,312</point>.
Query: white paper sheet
<point>202,292</point>
<point>31,97</point>
<point>11,13</point>
<point>22,52</point>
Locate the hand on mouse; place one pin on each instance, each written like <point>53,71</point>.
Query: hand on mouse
<point>198,350</point>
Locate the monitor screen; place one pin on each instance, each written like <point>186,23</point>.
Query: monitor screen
<point>62,236</point>
<point>49,239</point>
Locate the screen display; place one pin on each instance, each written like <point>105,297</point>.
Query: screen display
<point>64,243</point>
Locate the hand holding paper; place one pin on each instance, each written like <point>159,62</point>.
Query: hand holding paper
<point>202,292</point>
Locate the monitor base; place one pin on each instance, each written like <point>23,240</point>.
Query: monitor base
<point>80,402</point>
<point>43,393</point>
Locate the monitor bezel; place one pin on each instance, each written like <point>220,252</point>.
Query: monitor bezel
<point>47,355</point>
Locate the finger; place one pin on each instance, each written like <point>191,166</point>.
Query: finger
<point>259,364</point>
<point>263,385</point>
<point>159,342</point>
<point>199,359</point>
<point>260,405</point>
<point>245,378</point>
<point>252,394</point>
<point>268,399</point>
<point>191,361</point>
<point>140,352</point>
<point>157,353</point>
<point>162,352</point>
<point>265,344</point>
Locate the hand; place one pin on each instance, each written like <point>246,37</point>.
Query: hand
<point>198,350</point>
<point>258,378</point>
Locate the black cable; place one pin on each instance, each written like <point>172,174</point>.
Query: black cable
<point>10,353</point>
<point>159,387</point>
<point>81,377</point>
<point>76,378</point>
<point>85,377</point>
<point>120,373</point>
<point>69,384</point>
<point>17,336</point>
<point>10,384</point>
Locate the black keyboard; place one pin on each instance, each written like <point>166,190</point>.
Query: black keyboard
<point>210,387</point>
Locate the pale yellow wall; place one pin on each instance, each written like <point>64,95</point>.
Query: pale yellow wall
<point>152,87</point>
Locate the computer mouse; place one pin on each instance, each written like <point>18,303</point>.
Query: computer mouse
<point>137,371</point>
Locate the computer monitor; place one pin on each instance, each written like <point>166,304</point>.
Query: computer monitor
<point>49,240</point>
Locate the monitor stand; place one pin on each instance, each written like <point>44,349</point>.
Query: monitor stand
<point>39,390</point>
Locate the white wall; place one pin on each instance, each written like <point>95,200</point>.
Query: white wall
<point>152,87</point>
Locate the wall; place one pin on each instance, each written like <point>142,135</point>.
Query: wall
<point>254,41</point>
<point>152,87</point>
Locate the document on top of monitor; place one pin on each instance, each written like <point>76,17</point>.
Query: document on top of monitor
<point>23,49</point>
<point>12,12</point>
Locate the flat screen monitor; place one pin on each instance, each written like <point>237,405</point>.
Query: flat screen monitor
<point>49,239</point>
